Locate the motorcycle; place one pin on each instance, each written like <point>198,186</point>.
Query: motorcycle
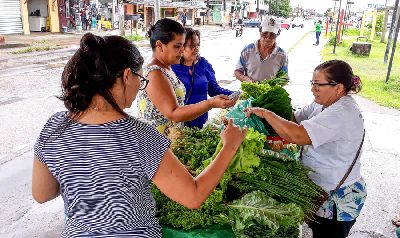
<point>239,29</point>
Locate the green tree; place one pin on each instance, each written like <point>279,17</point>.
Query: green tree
<point>280,8</point>
<point>379,22</point>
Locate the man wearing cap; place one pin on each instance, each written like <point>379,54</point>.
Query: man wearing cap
<point>263,59</point>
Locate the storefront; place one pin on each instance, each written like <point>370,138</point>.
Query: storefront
<point>82,15</point>
<point>10,17</point>
<point>38,16</point>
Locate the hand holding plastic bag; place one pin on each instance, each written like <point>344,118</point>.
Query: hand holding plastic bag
<point>239,117</point>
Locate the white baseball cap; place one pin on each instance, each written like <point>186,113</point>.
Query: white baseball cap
<point>270,24</point>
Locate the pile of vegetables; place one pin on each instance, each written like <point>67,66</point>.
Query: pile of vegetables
<point>276,100</point>
<point>256,89</point>
<point>258,196</point>
<point>253,89</point>
<point>281,79</point>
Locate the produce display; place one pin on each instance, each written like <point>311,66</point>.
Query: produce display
<point>276,100</point>
<point>253,89</point>
<point>281,79</point>
<point>265,192</point>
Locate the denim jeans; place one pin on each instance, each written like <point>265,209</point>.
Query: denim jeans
<point>317,34</point>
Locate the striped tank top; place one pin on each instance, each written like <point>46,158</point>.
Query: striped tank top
<point>105,174</point>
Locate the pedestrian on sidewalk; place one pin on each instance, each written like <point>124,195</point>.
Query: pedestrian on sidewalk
<point>98,21</point>
<point>162,104</point>
<point>184,18</point>
<point>318,26</point>
<point>331,131</point>
<point>263,59</point>
<point>102,161</point>
<point>198,76</point>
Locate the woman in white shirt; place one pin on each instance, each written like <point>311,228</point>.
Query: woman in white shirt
<point>331,130</point>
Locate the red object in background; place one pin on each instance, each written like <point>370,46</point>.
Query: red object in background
<point>285,25</point>
<point>326,26</point>
<point>340,25</point>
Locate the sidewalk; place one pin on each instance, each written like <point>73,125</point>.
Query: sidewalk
<point>66,39</point>
<point>381,150</point>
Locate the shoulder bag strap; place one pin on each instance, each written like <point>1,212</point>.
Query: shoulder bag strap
<point>351,166</point>
<point>191,85</point>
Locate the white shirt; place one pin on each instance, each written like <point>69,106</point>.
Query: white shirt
<point>336,134</point>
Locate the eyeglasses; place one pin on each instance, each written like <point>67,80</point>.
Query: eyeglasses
<point>143,81</point>
<point>194,46</point>
<point>317,85</point>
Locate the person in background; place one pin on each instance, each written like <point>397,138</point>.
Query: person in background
<point>263,59</point>
<point>184,18</point>
<point>99,21</point>
<point>198,76</point>
<point>162,104</point>
<point>318,26</point>
<point>102,161</point>
<point>331,130</point>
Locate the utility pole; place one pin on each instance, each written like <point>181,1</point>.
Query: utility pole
<point>157,11</point>
<point>121,14</point>
<point>396,33</point>
<point>269,7</point>
<point>385,21</point>
<point>396,5</point>
<point>337,26</point>
<point>333,15</point>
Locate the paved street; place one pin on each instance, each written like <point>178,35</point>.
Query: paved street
<point>29,83</point>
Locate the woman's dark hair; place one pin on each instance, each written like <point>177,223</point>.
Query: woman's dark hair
<point>94,68</point>
<point>164,30</point>
<point>190,33</point>
<point>341,72</point>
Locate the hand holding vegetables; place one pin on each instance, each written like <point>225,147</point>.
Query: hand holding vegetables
<point>232,136</point>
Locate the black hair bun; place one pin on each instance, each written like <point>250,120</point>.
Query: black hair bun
<point>91,42</point>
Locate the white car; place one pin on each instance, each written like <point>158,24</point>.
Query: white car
<point>297,21</point>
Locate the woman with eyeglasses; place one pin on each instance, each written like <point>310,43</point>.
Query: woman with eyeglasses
<point>162,104</point>
<point>331,131</point>
<point>102,161</point>
<point>198,76</point>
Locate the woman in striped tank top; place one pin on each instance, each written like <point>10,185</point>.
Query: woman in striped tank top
<point>102,161</point>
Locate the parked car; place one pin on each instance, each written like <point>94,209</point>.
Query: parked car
<point>285,24</point>
<point>297,21</point>
<point>251,22</point>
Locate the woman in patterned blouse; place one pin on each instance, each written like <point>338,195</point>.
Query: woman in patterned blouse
<point>162,103</point>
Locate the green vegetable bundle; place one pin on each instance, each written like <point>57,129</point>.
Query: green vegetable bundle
<point>276,100</point>
<point>253,89</point>
<point>259,195</point>
<point>285,180</point>
<point>246,157</point>
<point>281,79</point>
<point>258,215</point>
<point>192,145</point>
<point>175,215</point>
